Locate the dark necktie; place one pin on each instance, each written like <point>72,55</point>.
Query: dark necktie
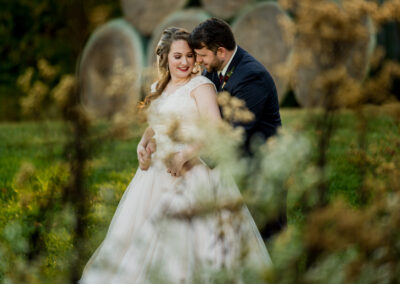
<point>221,78</point>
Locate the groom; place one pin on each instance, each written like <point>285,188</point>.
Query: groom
<point>234,70</point>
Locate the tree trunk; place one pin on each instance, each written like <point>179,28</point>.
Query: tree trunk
<point>145,15</point>
<point>353,55</point>
<point>259,31</point>
<point>224,9</point>
<point>110,69</point>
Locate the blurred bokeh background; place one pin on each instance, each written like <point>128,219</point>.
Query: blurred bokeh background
<point>73,71</point>
<point>47,36</point>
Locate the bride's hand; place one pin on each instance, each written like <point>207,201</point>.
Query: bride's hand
<point>146,146</point>
<point>151,146</point>
<point>144,157</point>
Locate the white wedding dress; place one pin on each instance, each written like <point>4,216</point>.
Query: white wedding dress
<point>144,244</point>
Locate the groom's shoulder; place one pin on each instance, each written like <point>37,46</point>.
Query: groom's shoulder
<point>206,74</point>
<point>249,63</point>
<point>251,67</point>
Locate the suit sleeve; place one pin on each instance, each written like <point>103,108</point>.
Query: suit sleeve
<point>254,90</point>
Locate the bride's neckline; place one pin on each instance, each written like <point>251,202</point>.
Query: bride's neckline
<point>177,87</point>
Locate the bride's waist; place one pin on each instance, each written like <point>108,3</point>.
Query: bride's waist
<point>165,149</point>
<point>161,162</point>
<point>165,143</point>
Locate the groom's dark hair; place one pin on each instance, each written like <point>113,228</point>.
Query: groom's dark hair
<point>212,33</point>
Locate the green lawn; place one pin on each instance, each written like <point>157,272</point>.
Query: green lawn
<point>382,143</point>
<point>114,161</point>
<point>41,148</point>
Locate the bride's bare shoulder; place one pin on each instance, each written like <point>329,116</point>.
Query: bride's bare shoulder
<point>199,80</point>
<point>203,86</point>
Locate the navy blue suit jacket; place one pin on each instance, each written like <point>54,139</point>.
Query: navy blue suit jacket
<point>251,82</point>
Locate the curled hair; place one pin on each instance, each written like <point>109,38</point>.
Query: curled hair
<point>212,33</point>
<point>168,36</point>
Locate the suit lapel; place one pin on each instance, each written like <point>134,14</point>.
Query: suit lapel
<point>215,80</point>
<point>232,68</point>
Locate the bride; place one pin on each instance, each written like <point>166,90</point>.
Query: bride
<point>153,236</point>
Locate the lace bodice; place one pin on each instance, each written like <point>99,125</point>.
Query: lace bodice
<point>177,108</point>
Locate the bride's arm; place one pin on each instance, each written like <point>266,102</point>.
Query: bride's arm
<point>206,100</point>
<point>145,148</point>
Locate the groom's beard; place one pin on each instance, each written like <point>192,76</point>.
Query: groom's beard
<point>214,66</point>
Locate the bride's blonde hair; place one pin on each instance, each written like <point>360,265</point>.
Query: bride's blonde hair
<point>168,36</point>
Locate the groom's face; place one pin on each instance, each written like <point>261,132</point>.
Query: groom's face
<point>209,59</point>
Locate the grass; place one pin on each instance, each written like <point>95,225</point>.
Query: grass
<point>42,143</point>
<point>42,146</point>
<point>382,141</point>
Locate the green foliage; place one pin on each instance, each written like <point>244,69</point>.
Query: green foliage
<point>43,29</point>
<point>34,220</point>
<point>354,237</point>
<point>36,225</point>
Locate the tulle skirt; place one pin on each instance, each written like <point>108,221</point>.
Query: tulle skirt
<point>177,230</point>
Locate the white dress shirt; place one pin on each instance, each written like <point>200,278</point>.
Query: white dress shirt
<point>223,72</point>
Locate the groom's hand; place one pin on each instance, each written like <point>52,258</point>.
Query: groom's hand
<point>175,164</point>
<point>178,164</point>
